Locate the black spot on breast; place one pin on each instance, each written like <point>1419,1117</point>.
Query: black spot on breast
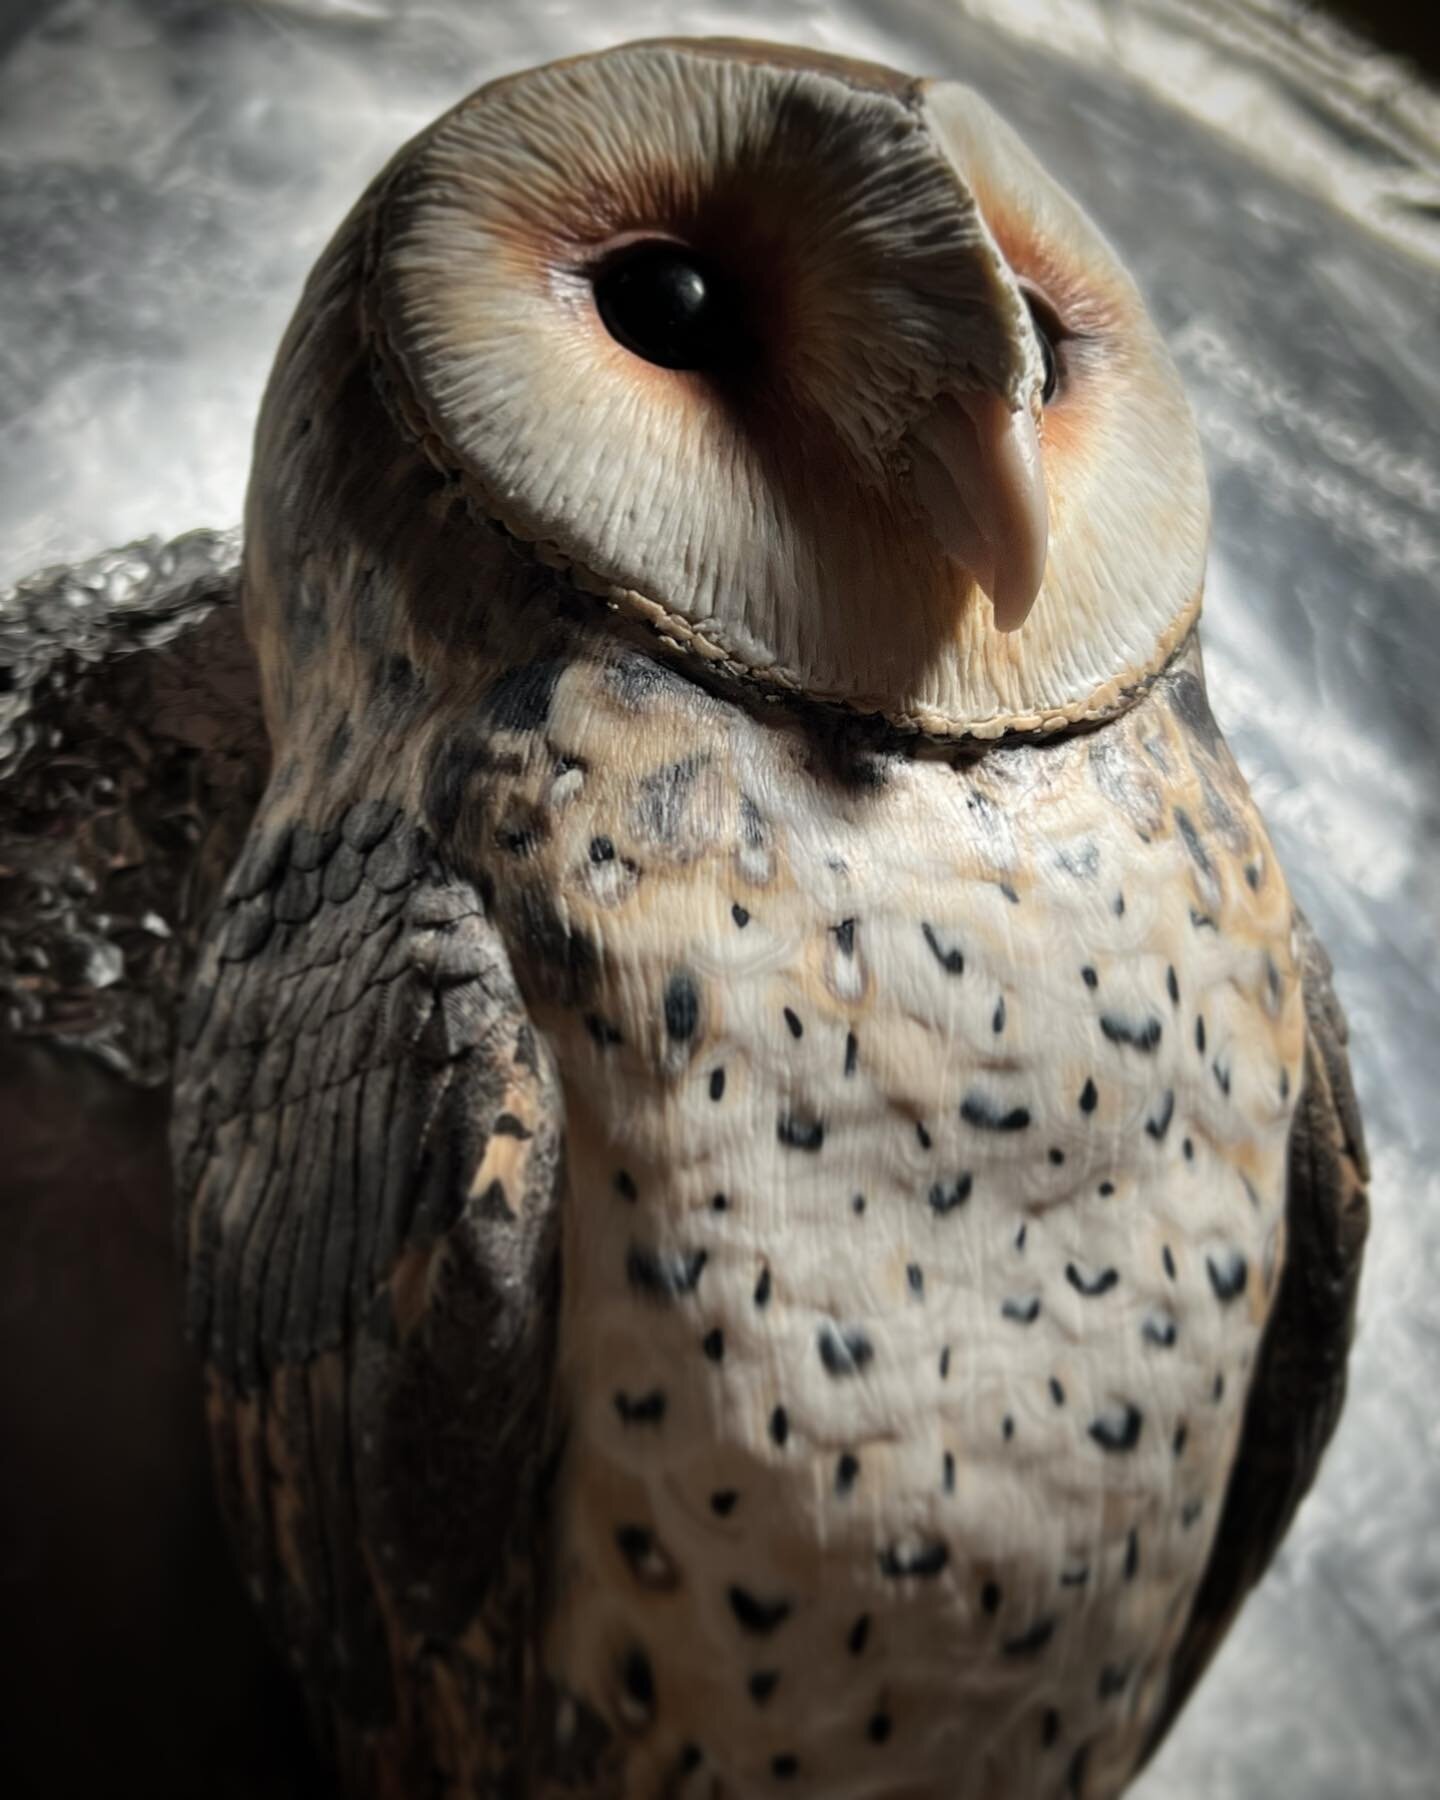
<point>762,1288</point>
<point>844,934</point>
<point>1143,1035</point>
<point>793,1024</point>
<point>1032,1640</point>
<point>1228,1274</point>
<point>520,700</point>
<point>1055,1157</point>
<point>1007,1428</point>
<point>997,1021</point>
<point>1089,977</point>
<point>1221,1074</point>
<point>859,1635</point>
<point>1057,1391</point>
<point>494,1206</point>
<point>1049,1728</point>
<point>878,1729</point>
<point>1117,906</point>
<point>1159,1121</point>
<point>717,1084</point>
<point>799,1133</point>
<point>852,1052</point>
<point>648,1562</point>
<point>1021,1312</point>
<point>1089,1096</point>
<point>1075,1578</point>
<point>713,1344</point>
<point>1008,892</point>
<point>1118,1429</point>
<point>947,1472</point>
<point>625,1185</point>
<point>922,1136</point>
<point>646,1409</point>
<point>1132,1556</point>
<point>1160,1330</point>
<point>847,1468</point>
<point>779,1426</point>
<point>844,1349</point>
<point>606,1035</point>
<point>664,1277</point>
<point>722,1502</point>
<point>785,1767</point>
<point>915,1280</point>
<point>507,1125</point>
<point>984,1114</point>
<point>945,1199</point>
<point>682,1006</point>
<point>739,915</point>
<point>1178,1442</point>
<point>602,850</point>
<point>923,1561</point>
<point>1091,1286</point>
<point>638,1680</point>
<point>1172,985</point>
<point>1190,1512</point>
<point>952,961</point>
<point>857,1204</point>
<point>762,1685</point>
<point>663,799</point>
<point>1190,837</point>
<point>1081,861</point>
<point>758,1617</point>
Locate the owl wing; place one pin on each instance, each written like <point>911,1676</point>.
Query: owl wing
<point>367,1144</point>
<point>1299,1384</point>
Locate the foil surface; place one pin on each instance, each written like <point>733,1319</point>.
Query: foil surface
<point>168,172</point>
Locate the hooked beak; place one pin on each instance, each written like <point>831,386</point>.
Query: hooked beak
<point>977,473</point>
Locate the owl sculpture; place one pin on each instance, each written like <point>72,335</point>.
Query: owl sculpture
<point>769,1190</point>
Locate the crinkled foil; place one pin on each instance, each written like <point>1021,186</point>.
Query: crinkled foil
<point>131,755</point>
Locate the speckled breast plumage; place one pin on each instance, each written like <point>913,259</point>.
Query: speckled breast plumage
<point>926,1119</point>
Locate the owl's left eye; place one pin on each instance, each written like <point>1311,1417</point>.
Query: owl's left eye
<point>668,305</point>
<point>1052,334</point>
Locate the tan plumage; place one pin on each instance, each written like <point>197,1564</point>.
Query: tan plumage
<point>733,1240</point>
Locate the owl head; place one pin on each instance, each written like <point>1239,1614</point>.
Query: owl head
<point>804,364</point>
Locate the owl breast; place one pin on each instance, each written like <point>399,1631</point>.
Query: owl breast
<point>925,1117</point>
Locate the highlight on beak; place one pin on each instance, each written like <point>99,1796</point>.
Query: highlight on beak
<point>978,475</point>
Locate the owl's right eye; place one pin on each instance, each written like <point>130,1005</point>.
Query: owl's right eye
<point>668,305</point>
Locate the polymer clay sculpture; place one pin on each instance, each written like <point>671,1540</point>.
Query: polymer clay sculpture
<point>770,1194</point>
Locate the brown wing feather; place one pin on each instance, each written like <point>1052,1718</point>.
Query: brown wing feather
<point>1299,1385</point>
<point>368,1150</point>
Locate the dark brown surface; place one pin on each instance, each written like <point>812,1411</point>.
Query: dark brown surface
<point>131,1658</point>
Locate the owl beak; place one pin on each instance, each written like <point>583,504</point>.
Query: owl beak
<point>978,475</point>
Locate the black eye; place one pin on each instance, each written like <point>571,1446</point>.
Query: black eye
<point>1050,332</point>
<point>665,303</point>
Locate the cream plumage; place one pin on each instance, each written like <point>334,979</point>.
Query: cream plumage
<point>755,1110</point>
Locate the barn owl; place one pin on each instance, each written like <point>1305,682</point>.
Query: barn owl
<point>769,1190</point>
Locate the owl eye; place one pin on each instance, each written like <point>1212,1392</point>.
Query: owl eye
<point>1051,334</point>
<point>666,304</point>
